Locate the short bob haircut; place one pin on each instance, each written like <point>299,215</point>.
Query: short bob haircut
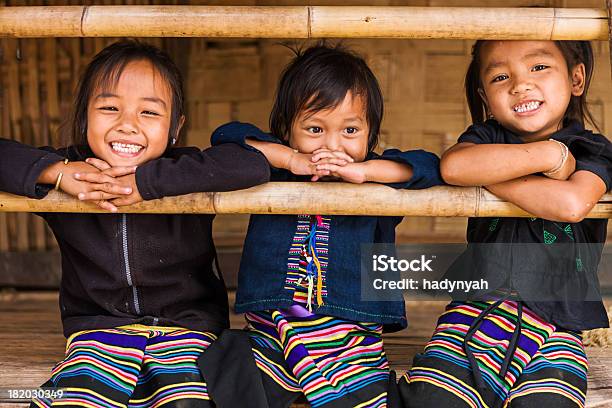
<point>318,78</point>
<point>104,72</point>
<point>574,53</point>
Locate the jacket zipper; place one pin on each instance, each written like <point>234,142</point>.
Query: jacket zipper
<point>128,272</point>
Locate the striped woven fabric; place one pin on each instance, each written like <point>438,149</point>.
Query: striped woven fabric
<point>135,366</point>
<point>333,362</point>
<point>297,263</point>
<point>548,367</point>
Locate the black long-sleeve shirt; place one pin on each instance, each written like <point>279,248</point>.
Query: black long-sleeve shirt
<point>120,269</point>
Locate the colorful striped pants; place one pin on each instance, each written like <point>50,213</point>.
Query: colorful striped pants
<point>135,366</point>
<point>333,362</point>
<point>506,361</point>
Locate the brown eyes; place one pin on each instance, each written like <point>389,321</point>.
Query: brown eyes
<point>535,68</point>
<point>499,78</point>
<point>115,109</point>
<point>317,130</point>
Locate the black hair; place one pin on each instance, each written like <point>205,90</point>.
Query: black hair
<point>574,53</point>
<point>104,71</point>
<point>318,78</point>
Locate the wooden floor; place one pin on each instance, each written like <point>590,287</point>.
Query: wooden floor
<point>31,343</point>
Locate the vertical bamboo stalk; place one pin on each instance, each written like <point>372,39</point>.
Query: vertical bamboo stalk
<point>609,6</point>
<point>18,224</point>
<point>32,132</point>
<point>4,240</point>
<point>75,56</point>
<point>99,44</point>
<point>5,128</point>
<point>32,90</point>
<point>12,87</point>
<point>51,85</point>
<point>52,112</point>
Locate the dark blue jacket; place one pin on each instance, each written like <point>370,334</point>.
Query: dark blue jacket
<point>264,264</point>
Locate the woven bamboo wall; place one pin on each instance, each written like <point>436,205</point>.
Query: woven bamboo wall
<point>235,80</point>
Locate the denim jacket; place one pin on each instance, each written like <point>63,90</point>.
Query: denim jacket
<point>263,281</point>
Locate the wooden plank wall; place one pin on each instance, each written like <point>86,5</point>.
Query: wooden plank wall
<point>235,80</point>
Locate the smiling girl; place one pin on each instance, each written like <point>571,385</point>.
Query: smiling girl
<point>514,347</point>
<point>310,333</point>
<point>140,299</point>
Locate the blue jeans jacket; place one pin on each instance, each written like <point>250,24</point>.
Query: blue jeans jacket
<point>262,279</point>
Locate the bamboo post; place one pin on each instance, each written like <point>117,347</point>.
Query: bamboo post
<point>300,198</point>
<point>52,111</point>
<point>609,7</point>
<point>305,22</point>
<point>33,132</point>
<point>17,224</point>
<point>5,128</point>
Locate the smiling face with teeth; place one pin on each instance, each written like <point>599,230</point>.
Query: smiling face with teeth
<point>128,125</point>
<point>527,85</point>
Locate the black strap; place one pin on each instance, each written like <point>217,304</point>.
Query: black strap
<point>512,345</point>
<point>468,336</point>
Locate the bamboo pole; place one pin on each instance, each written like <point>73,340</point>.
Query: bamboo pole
<point>305,22</point>
<point>155,21</point>
<point>33,132</point>
<point>300,198</point>
<point>18,223</point>
<point>5,128</point>
<point>609,8</point>
<point>459,23</point>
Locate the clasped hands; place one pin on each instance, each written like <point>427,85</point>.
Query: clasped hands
<point>96,181</point>
<point>324,163</point>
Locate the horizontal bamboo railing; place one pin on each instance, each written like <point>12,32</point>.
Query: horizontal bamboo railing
<point>309,198</point>
<point>305,22</point>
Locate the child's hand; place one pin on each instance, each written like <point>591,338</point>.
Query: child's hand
<point>321,156</point>
<point>74,186</point>
<point>350,172</point>
<point>105,183</point>
<point>124,176</point>
<point>134,197</point>
<point>566,170</point>
<point>340,165</point>
<point>329,162</point>
<point>301,164</point>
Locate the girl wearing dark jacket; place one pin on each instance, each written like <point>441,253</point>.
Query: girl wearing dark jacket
<point>140,297</point>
